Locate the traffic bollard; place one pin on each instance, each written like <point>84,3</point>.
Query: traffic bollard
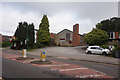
<point>24,53</point>
<point>42,56</point>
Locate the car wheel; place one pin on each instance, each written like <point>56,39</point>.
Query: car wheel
<point>104,53</point>
<point>89,52</point>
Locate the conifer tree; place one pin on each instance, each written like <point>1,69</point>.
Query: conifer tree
<point>25,32</point>
<point>43,35</point>
<point>31,35</point>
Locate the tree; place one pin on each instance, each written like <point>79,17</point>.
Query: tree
<point>96,37</point>
<point>109,25</point>
<point>43,35</point>
<point>31,35</point>
<point>24,32</point>
<point>21,32</point>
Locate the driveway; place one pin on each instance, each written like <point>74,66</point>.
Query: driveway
<point>74,53</point>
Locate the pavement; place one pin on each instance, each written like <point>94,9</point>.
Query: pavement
<point>73,53</point>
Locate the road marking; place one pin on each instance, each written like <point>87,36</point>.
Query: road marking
<point>80,72</point>
<point>56,65</point>
<point>72,69</point>
<point>85,76</point>
<point>53,69</point>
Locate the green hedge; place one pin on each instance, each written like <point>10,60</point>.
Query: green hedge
<point>104,46</point>
<point>6,44</point>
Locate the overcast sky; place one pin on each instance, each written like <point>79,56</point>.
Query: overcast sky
<point>61,15</point>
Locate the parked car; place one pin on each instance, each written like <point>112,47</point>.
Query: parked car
<point>97,50</point>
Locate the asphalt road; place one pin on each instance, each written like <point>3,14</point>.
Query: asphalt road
<point>13,69</point>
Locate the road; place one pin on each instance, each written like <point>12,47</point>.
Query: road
<point>14,69</point>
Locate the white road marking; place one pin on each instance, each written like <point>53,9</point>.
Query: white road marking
<point>99,72</point>
<point>72,69</point>
<point>56,65</point>
<point>85,76</point>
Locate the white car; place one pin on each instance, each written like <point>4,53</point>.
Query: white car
<point>97,50</point>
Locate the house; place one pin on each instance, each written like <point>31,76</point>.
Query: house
<point>114,36</point>
<point>4,38</point>
<point>69,38</point>
<point>63,37</point>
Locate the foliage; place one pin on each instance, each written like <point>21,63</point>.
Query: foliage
<point>31,34</point>
<point>109,25</point>
<point>96,37</point>
<point>104,46</point>
<point>34,46</point>
<point>6,44</point>
<point>21,32</point>
<point>24,32</point>
<point>43,35</point>
<point>114,43</point>
<point>116,51</point>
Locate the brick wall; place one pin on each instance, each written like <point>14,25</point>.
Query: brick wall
<point>52,36</point>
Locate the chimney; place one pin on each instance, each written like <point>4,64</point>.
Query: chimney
<point>76,38</point>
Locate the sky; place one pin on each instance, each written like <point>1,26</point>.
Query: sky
<point>61,15</point>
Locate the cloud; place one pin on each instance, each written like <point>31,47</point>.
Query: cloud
<point>61,21</point>
<point>11,18</point>
<point>61,15</point>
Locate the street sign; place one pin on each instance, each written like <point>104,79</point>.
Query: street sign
<point>43,55</point>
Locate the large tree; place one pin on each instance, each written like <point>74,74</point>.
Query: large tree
<point>25,32</point>
<point>43,35</point>
<point>109,25</point>
<point>31,35</point>
<point>96,37</point>
<point>21,32</point>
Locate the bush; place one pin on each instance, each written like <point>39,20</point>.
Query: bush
<point>113,43</point>
<point>6,44</point>
<point>116,51</point>
<point>96,37</point>
<point>34,46</point>
<point>104,46</point>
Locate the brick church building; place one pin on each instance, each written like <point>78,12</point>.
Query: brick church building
<point>69,38</point>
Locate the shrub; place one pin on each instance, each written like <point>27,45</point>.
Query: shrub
<point>6,44</point>
<point>116,51</point>
<point>96,37</point>
<point>104,46</point>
